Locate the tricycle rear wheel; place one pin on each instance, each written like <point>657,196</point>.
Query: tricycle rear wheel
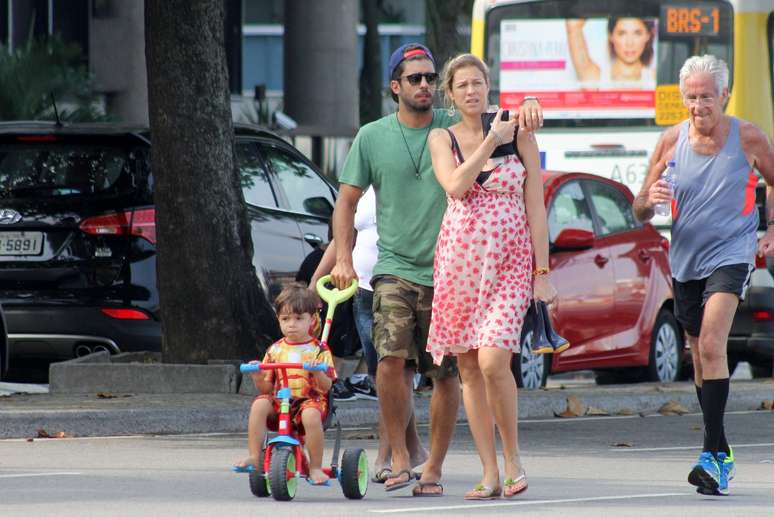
<point>354,473</point>
<point>259,483</point>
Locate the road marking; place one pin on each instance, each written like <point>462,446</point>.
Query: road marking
<point>528,503</point>
<point>557,420</point>
<point>656,449</point>
<point>41,474</point>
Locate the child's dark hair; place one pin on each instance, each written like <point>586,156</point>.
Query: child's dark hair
<point>296,298</point>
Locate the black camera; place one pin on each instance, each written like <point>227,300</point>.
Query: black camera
<point>486,124</point>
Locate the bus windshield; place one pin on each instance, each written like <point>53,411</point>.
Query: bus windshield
<point>595,63</point>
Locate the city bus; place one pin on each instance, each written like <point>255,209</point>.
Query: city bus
<point>606,71</point>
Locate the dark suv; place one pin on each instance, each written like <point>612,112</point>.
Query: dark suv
<point>78,238</point>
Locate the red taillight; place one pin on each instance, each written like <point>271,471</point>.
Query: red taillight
<point>760,262</point>
<point>125,314</point>
<point>762,316</point>
<point>141,223</point>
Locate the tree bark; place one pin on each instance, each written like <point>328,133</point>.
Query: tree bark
<point>441,20</point>
<point>212,305</point>
<point>371,73</point>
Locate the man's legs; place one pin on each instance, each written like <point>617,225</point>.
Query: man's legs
<point>718,316</point>
<point>417,453</point>
<point>443,418</point>
<point>709,474</point>
<point>395,409</point>
<point>693,343</point>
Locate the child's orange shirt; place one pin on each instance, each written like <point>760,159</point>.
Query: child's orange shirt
<point>300,382</point>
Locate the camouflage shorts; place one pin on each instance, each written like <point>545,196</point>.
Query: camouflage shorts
<point>401,323</point>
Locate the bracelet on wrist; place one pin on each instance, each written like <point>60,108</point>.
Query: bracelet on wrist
<point>541,271</point>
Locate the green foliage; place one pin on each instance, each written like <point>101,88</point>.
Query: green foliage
<point>30,75</point>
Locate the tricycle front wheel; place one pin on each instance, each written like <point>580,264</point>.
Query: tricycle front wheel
<point>282,474</point>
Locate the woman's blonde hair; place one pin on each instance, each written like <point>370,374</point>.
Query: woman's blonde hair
<point>451,67</point>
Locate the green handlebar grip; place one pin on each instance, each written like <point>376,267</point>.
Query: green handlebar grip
<point>334,296</point>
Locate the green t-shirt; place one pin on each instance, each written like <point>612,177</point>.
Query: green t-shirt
<point>409,208</point>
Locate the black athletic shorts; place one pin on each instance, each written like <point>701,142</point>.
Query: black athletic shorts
<point>691,296</point>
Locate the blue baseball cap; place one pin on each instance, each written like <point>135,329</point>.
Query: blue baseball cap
<point>407,51</point>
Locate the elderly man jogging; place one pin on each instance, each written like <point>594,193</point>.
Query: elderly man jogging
<point>391,154</point>
<point>714,223</point>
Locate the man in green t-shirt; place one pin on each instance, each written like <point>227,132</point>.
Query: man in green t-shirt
<point>390,154</point>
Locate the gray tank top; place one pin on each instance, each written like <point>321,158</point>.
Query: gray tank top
<point>714,218</point>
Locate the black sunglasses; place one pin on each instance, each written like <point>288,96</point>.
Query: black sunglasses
<point>415,79</point>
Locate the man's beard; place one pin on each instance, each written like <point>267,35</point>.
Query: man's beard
<point>412,105</point>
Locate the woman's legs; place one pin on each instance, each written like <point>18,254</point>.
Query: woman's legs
<point>495,365</point>
<point>479,415</point>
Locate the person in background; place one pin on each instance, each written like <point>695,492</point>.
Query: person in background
<point>714,239</point>
<point>343,339</point>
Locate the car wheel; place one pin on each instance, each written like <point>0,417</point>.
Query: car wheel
<point>762,370</point>
<point>530,370</point>
<point>666,346</point>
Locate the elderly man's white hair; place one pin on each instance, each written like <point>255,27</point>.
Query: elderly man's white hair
<point>707,64</point>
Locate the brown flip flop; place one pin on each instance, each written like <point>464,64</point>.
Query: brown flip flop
<point>419,489</point>
<point>402,484</point>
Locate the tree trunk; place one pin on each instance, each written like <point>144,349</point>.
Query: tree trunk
<point>212,306</point>
<point>442,19</point>
<point>371,73</point>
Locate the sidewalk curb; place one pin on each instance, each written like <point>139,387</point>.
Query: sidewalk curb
<point>87,415</point>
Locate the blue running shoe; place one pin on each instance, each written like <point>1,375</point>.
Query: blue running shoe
<point>723,481</point>
<point>706,473</point>
<point>728,463</point>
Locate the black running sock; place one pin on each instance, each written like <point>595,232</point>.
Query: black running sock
<point>723,442</point>
<point>714,394</point>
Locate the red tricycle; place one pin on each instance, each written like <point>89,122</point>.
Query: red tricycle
<point>284,460</point>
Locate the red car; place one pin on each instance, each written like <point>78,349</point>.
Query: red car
<point>615,292</point>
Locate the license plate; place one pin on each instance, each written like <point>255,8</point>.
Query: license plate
<point>21,243</point>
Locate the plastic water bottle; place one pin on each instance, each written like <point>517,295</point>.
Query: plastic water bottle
<point>670,176</point>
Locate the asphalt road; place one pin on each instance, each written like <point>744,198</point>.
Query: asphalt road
<point>605,465</point>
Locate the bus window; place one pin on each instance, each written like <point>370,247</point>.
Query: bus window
<point>597,63</point>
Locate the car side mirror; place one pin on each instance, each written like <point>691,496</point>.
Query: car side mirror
<point>573,239</point>
<point>319,206</point>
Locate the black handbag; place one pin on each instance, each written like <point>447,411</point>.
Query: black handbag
<point>545,340</point>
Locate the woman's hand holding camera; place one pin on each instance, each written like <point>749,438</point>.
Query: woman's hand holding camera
<point>503,131</point>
